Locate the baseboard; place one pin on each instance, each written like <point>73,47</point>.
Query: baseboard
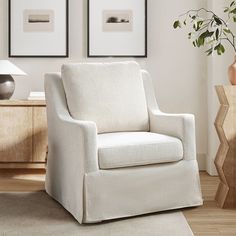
<point>201,159</point>
<point>210,166</point>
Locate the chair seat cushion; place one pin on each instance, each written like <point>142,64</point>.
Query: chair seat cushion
<point>125,149</point>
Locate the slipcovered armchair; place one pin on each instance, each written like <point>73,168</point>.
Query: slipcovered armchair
<point>112,152</point>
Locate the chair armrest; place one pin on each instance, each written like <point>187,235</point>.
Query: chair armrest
<point>181,126</point>
<point>72,153</point>
<point>76,140</point>
<point>72,149</point>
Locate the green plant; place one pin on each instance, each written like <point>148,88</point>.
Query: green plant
<point>210,29</point>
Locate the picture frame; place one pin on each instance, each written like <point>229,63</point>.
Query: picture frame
<point>122,23</point>
<point>38,28</point>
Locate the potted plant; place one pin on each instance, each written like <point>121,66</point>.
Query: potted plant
<point>212,31</point>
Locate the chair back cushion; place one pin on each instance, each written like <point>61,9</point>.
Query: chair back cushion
<point>110,94</point>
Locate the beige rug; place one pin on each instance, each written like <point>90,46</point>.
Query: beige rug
<point>36,214</point>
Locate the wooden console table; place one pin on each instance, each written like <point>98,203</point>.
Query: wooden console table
<point>226,156</point>
<point>23,134</point>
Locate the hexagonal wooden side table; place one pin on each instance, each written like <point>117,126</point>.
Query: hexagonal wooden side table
<point>226,156</point>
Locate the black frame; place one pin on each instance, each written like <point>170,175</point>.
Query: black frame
<point>39,56</point>
<point>88,37</point>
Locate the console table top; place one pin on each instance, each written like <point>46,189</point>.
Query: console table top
<point>13,102</point>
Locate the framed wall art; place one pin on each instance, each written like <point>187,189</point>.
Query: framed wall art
<point>117,28</point>
<point>38,28</point>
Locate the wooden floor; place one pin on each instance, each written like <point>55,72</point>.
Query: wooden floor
<point>208,220</point>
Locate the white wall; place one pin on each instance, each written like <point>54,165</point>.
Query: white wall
<point>36,67</point>
<point>217,75</point>
<point>178,69</point>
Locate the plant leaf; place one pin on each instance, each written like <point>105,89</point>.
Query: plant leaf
<point>201,41</point>
<point>222,48</point>
<point>226,9</point>
<point>197,43</point>
<point>217,20</point>
<point>189,35</point>
<point>207,34</point>
<point>233,11</point>
<point>227,31</point>
<point>177,24</point>
<point>209,51</point>
<point>217,34</point>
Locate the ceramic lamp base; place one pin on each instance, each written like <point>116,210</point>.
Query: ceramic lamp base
<point>7,87</point>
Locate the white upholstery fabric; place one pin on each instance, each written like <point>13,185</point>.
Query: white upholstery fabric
<point>181,126</point>
<point>110,94</point>
<point>67,161</point>
<point>132,191</point>
<point>90,194</point>
<point>124,149</point>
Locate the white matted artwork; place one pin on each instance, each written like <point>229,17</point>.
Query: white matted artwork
<point>117,28</point>
<point>38,28</point>
<point>38,20</point>
<point>117,20</point>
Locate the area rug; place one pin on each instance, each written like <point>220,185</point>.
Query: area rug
<point>36,214</point>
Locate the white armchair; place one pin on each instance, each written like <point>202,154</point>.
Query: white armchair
<point>112,152</point>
